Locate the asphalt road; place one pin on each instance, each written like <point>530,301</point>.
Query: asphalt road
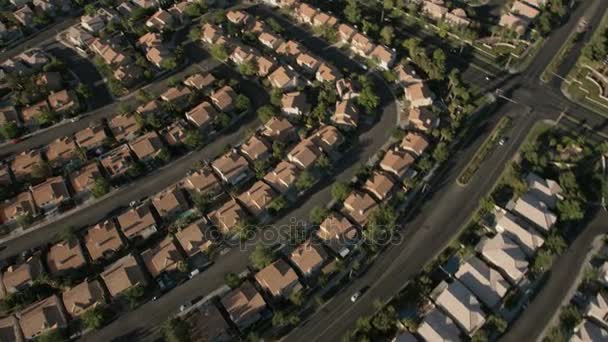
<point>535,318</point>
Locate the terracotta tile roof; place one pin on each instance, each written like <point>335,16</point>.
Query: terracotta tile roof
<point>295,103</point>
<point>122,275</point>
<point>244,304</point>
<point>360,205</point>
<point>328,138</point>
<point>327,73</point>
<point>42,316</point>
<point>175,134</point>
<point>232,167</point>
<point>362,44</point>
<point>24,163</point>
<point>418,94</point>
<point>304,154</point>
<point>224,98</point>
<point>523,10</point>
<point>383,54</point>
<point>174,94</point>
<point>255,149</point>
<point>202,115</point>
<point>433,10</point>
<point>63,101</point>
<point>422,118</point>
<point>124,127</point>
<point>238,17</point>
<point>195,238</point>
<point>397,162</point>
<point>53,191</point>
<point>325,19</point>
<point>146,146</point>
<point>163,257</point>
<point>10,330</point>
<point>336,227</point>
<point>117,161</point>
<point>208,324</point>
<point>278,128</point>
<point>203,180</point>
<point>103,240</point>
<point>210,33</point>
<point>380,185</point>
<point>415,143</point>
<point>513,22</point>
<point>346,113</point>
<point>136,221</point>
<point>291,48</point>
<point>283,176</point>
<point>61,150</point>
<point>18,277</point>
<point>82,297</point>
<point>283,78</point>
<point>171,200</point>
<point>64,256</point>
<point>21,204</point>
<point>270,40</point>
<point>160,19</point>
<point>278,278</point>
<point>242,54</point>
<point>199,81</point>
<point>151,107</point>
<point>227,216</point>
<point>346,32</point>
<point>257,198</point>
<point>406,74</point>
<point>265,66</point>
<point>308,257</point>
<point>91,137</point>
<point>308,61</point>
<point>306,12</point>
<point>346,89</point>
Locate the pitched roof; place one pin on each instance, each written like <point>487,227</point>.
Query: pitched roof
<point>163,257</point>
<point>328,138</point>
<point>360,205</point>
<point>31,112</point>
<point>296,100</point>
<point>524,10</point>
<point>277,278</point>
<point>383,54</point>
<point>346,113</point>
<point>124,126</point>
<point>201,115</point>
<point>308,257</point>
<point>64,256</point>
<point>379,184</point>
<point>176,93</point>
<point>91,137</point>
<point>117,161</point>
<point>230,165</point>
<point>16,277</point>
<point>61,149</point>
<point>282,77</point>
<point>244,303</point>
<point>336,226</point>
<point>101,239</point>
<point>462,306</point>
<point>265,66</point>
<point>24,163</point>
<point>255,149</point>
<point>536,211</point>
<point>135,221</point>
<point>194,238</point>
<point>42,316</point>
<point>290,47</point>
<point>528,239</point>
<point>327,73</point>
<point>82,297</point>
<point>415,143</point>
<point>170,200</point>
<point>21,204</point>
<point>122,275</point>
<point>52,191</point>
<point>436,326</point>
<point>175,134</point>
<point>589,331</point>
<point>304,154</point>
<point>224,98</point>
<point>485,282</point>
<point>10,330</point>
<point>147,145</point>
<point>199,80</point>
<point>503,253</point>
<point>227,216</point>
<point>397,162</point>
<point>283,176</point>
<point>257,198</point>
<point>278,128</point>
<point>203,180</point>
<point>546,190</point>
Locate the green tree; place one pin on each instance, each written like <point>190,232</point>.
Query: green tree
<point>274,25</point>
<point>352,12</point>
<point>266,112</point>
<point>134,295</point>
<point>296,297</point>
<point>176,330</point>
<point>101,186</point>
<point>570,210</point>
<point>339,191</point>
<point>542,262</point>
<point>84,90</point>
<point>261,256</point>
<point>387,34</point>
<point>41,170</point>
<point>305,181</point>
<point>195,34</point>
<point>24,220</point>
<point>386,319</point>
<point>278,204</point>
<point>95,318</point>
<point>248,68</point>
<point>90,9</point>
<point>318,214</point>
<point>496,323</point>
<point>54,335</point>
<point>69,233</point>
<point>441,152</point>
<point>193,139</point>
<point>168,63</point>
<point>276,95</point>
<point>163,156</point>
<point>219,52</point>
<point>555,243</point>
<point>570,317</point>
<point>323,163</point>
<point>10,130</point>
<point>232,280</point>
<point>47,117</point>
<point>202,201</point>
<point>242,103</point>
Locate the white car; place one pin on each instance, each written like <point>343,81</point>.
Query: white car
<point>355,296</point>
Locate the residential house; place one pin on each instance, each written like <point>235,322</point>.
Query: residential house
<point>279,279</point>
<point>359,205</point>
<point>244,305</point>
<point>383,57</point>
<point>102,240</point>
<point>207,324</point>
<point>178,97</point>
<point>255,150</point>
<point>279,129</point>
<point>160,20</point>
<point>227,217</point>
<point>325,20</point>
<point>50,81</point>
<point>122,275</point>
<point>210,33</point>
<point>513,22</point>
<point>178,11</point>
<point>202,115</point>
<point>147,147</point>
<point>282,177</point>
<point>434,9</point>
<point>346,114</point>
<point>124,127</point>
<point>24,163</point>
<point>224,99</point>
<point>61,151</point>
<point>508,224</point>
<point>457,17</point>
<point>597,310</point>
<point>588,330</point>
<point>283,78</point>
<point>270,40</point>
<point>304,154</point>
<point>83,297</point>
<point>239,17</point>
<point>195,238</point>
<point>380,185</point>
<point>10,330</point>
<point>138,222</point>
<point>31,113</point>
<point>202,181</point>
<point>462,306</point>
<point>19,277</point>
<point>257,199</point>
<point>199,81</point>
<point>129,74</point>
<point>345,88</point>
<point>64,102</point>
<point>176,133</point>
<point>308,62</point>
<point>41,317</point>
<point>535,211</point>
<point>361,45</point>
<point>65,256</point>
<point>546,190</point>
<point>162,258</point>
<point>308,257</point>
<point>345,33</point>
<point>327,73</point>
<point>485,282</point>
<point>337,232</point>
<point>265,66</point>
<point>422,119</point>
<point>305,13</point>
<point>170,203</point>
<point>418,95</point>
<point>295,103</point>
<point>83,180</point>
<point>232,168</point>
<point>328,138</point>
<point>117,162</point>
<point>504,254</point>
<point>91,138</point>
<point>25,16</point>
<point>9,114</point>
<point>397,163</point>
<point>525,11</point>
<point>242,54</point>
<point>151,108</point>
<point>290,48</point>
<point>50,194</point>
<point>92,23</point>
<point>79,38</point>
<point>110,54</point>
<point>415,143</point>
<point>436,326</point>
<point>406,74</point>
<point>21,205</point>
<point>146,3</point>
